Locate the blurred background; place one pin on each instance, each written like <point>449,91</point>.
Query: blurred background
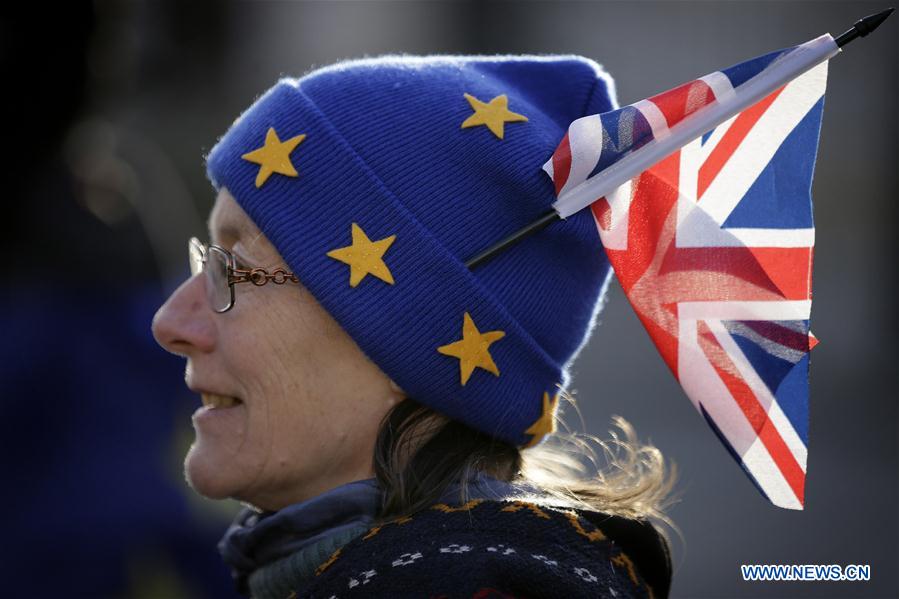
<point>110,109</point>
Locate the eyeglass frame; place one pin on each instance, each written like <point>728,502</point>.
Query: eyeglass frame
<point>234,275</point>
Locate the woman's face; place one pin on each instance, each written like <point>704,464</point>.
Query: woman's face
<point>310,401</point>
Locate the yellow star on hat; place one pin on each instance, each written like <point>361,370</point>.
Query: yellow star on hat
<point>472,349</point>
<point>494,114</point>
<point>274,156</point>
<point>365,257</point>
<point>546,424</point>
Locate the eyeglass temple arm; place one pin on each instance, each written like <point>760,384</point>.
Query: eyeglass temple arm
<point>541,223</point>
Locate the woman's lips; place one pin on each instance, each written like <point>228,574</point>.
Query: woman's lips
<point>220,411</point>
<point>215,401</point>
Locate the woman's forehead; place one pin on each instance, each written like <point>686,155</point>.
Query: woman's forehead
<point>227,220</point>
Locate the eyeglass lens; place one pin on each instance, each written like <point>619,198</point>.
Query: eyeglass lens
<point>214,264</point>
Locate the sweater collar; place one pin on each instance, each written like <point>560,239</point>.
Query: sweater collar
<point>256,538</point>
<point>318,526</point>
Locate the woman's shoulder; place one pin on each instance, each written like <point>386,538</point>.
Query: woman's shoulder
<point>500,548</point>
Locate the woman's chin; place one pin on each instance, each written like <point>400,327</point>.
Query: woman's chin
<point>210,475</point>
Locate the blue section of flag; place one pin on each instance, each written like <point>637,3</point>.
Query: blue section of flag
<point>781,196</point>
<point>792,396</point>
<point>740,73</point>
<point>623,130</point>
<point>771,369</point>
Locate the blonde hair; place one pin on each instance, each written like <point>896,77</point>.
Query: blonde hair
<point>419,453</point>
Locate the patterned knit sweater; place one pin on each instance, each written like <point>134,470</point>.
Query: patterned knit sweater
<point>497,549</point>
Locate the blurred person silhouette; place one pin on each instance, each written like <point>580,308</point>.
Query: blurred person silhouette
<point>90,406</point>
<point>389,417</point>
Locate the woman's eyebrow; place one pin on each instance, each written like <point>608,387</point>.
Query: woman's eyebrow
<point>227,230</point>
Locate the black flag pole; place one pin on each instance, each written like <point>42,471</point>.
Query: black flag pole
<point>541,223</point>
<point>861,28</point>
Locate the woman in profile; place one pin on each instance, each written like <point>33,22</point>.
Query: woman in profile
<point>386,413</point>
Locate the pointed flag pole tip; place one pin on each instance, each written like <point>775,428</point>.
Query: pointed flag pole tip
<point>864,26</point>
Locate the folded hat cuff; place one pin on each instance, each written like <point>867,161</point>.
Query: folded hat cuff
<point>398,326</point>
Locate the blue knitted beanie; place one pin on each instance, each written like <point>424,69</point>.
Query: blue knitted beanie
<point>378,179</point>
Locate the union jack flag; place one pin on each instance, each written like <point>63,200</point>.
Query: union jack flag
<point>713,248</point>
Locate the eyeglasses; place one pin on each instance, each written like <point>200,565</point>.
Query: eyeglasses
<point>222,273</point>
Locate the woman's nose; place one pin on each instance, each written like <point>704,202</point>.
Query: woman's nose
<point>184,323</point>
